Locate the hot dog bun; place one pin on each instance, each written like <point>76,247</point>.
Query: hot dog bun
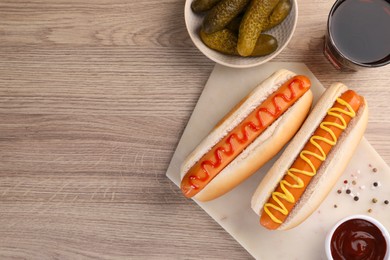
<point>329,171</point>
<point>259,151</point>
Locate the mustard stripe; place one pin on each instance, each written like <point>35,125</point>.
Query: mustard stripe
<point>298,182</point>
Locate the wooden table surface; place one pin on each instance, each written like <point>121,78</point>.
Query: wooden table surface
<point>94,96</point>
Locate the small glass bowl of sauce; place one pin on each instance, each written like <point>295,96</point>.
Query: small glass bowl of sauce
<point>358,237</point>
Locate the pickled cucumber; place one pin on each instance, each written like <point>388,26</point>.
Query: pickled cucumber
<point>199,6</point>
<point>225,41</point>
<point>221,14</point>
<point>253,23</point>
<point>266,44</point>
<point>234,25</point>
<point>278,15</point>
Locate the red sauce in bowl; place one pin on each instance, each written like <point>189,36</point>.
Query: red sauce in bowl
<point>358,239</point>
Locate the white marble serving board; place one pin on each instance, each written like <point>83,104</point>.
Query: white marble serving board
<point>225,87</point>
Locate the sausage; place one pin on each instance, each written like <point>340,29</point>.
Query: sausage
<point>299,175</point>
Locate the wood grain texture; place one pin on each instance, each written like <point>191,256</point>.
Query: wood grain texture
<point>94,96</point>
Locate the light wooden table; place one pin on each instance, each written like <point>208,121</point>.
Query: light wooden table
<point>94,96</point>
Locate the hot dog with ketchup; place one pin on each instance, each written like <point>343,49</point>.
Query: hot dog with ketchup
<point>311,164</point>
<point>248,136</point>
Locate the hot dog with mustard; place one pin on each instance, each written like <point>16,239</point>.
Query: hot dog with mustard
<point>309,167</point>
<point>248,136</point>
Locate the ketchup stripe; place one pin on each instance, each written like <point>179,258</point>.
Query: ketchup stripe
<point>228,150</point>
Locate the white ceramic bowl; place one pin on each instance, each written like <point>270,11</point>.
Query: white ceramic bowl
<point>364,217</point>
<point>283,33</point>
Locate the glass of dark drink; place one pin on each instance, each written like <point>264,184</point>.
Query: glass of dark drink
<point>358,34</point>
